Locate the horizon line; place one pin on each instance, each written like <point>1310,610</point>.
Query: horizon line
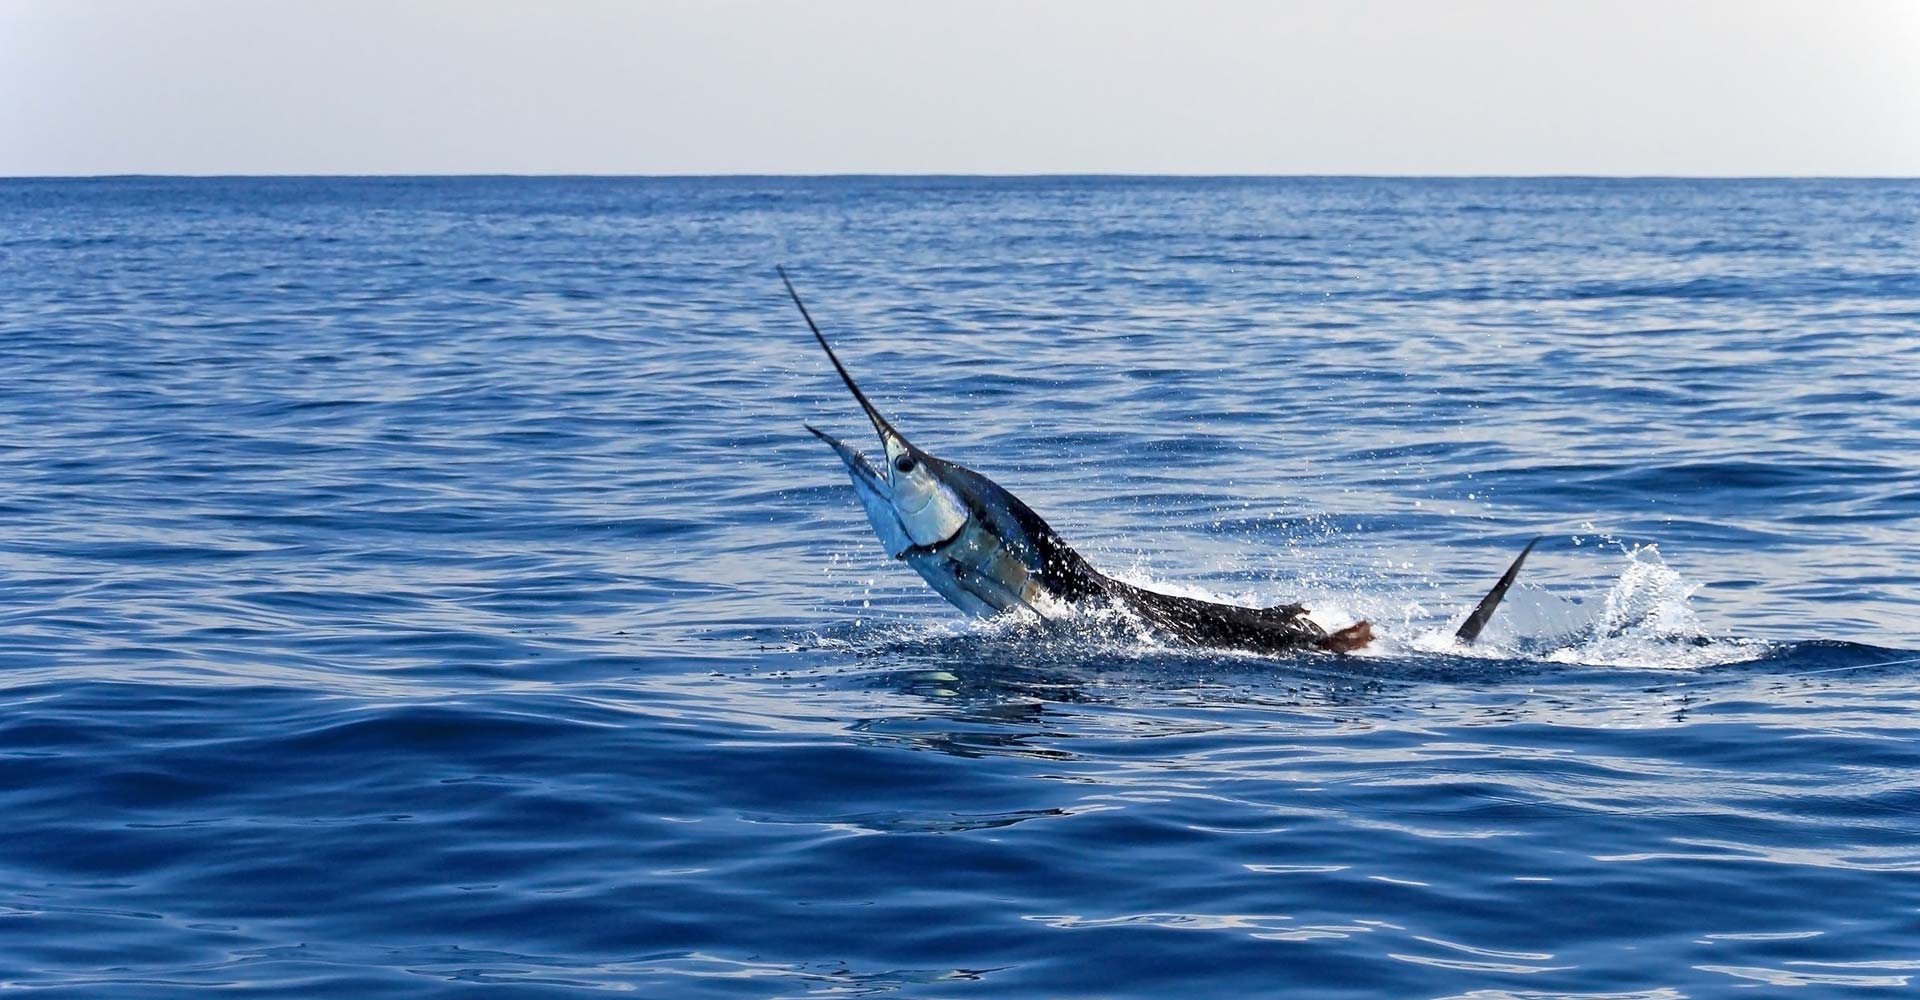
<point>937,175</point>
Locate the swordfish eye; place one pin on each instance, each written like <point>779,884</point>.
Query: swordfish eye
<point>904,463</point>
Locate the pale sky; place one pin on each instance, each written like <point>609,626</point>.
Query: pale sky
<point>1756,87</point>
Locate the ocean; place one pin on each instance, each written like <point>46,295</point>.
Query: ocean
<point>413,584</point>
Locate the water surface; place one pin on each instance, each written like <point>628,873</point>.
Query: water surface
<point>417,583</point>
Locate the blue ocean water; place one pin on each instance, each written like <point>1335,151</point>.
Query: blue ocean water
<point>412,584</point>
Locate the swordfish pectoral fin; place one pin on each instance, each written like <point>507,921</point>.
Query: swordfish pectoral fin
<point>1470,629</point>
<point>945,579</point>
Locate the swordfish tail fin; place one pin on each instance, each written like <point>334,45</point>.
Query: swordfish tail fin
<point>1470,629</point>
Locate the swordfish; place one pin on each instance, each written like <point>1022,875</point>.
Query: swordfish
<point>987,553</point>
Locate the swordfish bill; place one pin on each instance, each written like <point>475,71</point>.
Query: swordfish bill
<point>986,552</point>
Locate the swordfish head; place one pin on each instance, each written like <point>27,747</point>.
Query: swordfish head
<point>973,542</point>
<point>909,498</point>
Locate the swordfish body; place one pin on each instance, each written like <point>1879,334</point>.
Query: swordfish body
<point>986,552</point>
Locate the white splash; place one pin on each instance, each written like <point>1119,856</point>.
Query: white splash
<point>1647,621</point>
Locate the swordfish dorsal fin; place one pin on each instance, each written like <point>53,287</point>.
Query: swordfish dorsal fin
<point>1470,629</point>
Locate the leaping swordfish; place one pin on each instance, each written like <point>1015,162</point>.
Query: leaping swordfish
<point>986,552</point>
